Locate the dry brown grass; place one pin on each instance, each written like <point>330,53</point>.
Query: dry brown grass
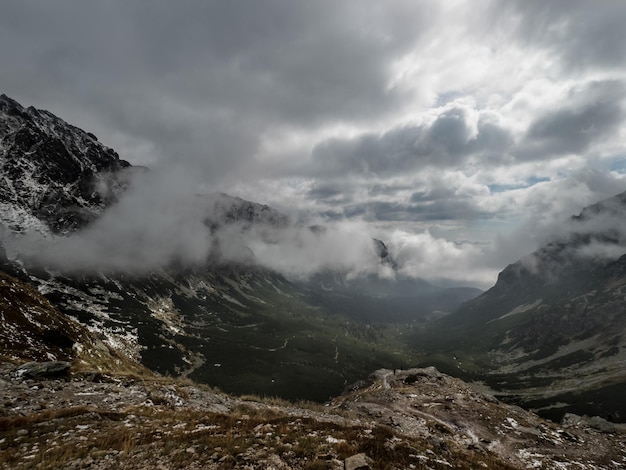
<point>21,421</point>
<point>167,434</point>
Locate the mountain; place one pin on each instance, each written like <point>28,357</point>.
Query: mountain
<point>225,321</point>
<point>54,177</point>
<point>551,333</point>
<point>225,209</point>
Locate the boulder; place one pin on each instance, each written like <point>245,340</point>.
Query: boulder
<point>43,370</point>
<point>596,422</point>
<point>357,462</point>
<point>602,424</point>
<point>571,419</point>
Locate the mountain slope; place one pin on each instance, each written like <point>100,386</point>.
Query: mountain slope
<point>53,176</point>
<point>32,329</point>
<point>112,413</point>
<point>553,328</point>
<point>378,300</point>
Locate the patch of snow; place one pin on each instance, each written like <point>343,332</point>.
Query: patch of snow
<point>121,339</point>
<point>519,309</point>
<point>531,459</point>
<point>514,424</point>
<point>164,310</point>
<point>19,220</point>
<point>204,427</point>
<point>232,300</point>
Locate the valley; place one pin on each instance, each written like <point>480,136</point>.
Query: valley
<point>278,235</point>
<point>548,336</point>
<point>224,321</point>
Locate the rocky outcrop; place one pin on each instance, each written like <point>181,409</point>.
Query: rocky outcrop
<point>358,462</point>
<point>33,330</point>
<point>383,253</point>
<point>407,419</point>
<point>596,422</point>
<point>43,370</point>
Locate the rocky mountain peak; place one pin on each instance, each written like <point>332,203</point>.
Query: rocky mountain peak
<point>614,206</point>
<point>8,103</point>
<point>552,328</point>
<point>52,172</point>
<point>225,210</point>
<point>383,253</point>
<point>595,234</point>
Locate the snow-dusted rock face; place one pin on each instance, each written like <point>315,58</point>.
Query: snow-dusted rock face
<point>33,329</point>
<point>53,176</point>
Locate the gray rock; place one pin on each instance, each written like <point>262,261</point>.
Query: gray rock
<point>601,424</point>
<point>596,422</point>
<point>274,462</point>
<point>357,462</point>
<point>43,370</point>
<point>571,419</point>
<point>430,371</point>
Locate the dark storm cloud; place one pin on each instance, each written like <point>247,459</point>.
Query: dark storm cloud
<point>589,115</point>
<point>202,81</point>
<point>447,141</point>
<point>434,194</point>
<point>326,191</point>
<point>387,189</point>
<point>580,33</point>
<point>426,211</point>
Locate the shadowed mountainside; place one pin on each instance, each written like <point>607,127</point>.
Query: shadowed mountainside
<point>551,333</point>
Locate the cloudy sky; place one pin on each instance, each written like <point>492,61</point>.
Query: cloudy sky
<point>459,131</point>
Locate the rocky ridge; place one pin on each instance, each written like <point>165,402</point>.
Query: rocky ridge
<point>54,177</point>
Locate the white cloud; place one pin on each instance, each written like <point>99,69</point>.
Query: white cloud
<point>440,121</point>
